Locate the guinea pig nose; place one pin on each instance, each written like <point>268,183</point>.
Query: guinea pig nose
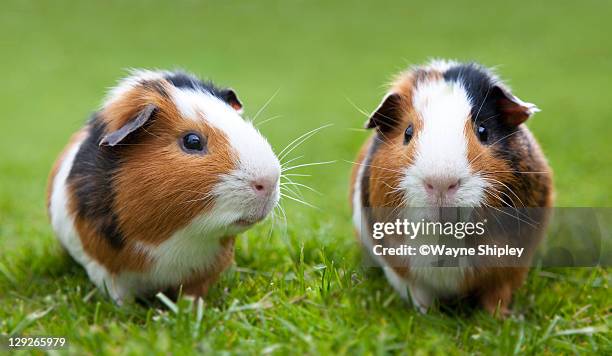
<point>441,185</point>
<point>264,185</point>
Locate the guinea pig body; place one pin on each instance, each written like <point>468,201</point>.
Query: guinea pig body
<point>448,135</point>
<point>149,195</point>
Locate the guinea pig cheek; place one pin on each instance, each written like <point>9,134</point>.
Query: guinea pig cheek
<point>161,189</point>
<point>388,165</point>
<point>493,172</point>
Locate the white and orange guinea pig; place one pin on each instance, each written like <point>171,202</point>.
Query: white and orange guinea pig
<point>150,194</point>
<point>449,134</point>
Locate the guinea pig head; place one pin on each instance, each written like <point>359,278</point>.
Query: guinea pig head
<point>186,156</point>
<point>448,135</point>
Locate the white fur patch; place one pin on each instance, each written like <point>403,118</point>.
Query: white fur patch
<point>190,250</point>
<point>358,222</point>
<point>441,145</point>
<point>439,281</point>
<point>440,65</point>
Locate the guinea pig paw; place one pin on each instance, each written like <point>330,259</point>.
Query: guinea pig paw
<point>496,301</point>
<point>421,297</point>
<point>120,296</point>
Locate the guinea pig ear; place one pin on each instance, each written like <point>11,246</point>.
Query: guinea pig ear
<point>514,110</point>
<point>230,97</point>
<point>386,116</point>
<point>115,137</point>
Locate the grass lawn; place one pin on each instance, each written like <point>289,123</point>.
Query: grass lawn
<point>301,289</point>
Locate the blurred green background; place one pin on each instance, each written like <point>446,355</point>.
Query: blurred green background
<point>58,58</point>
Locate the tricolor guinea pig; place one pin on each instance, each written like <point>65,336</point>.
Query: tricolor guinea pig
<point>149,195</point>
<point>450,134</point>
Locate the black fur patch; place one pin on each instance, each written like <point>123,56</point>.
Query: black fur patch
<point>91,179</point>
<point>478,84</point>
<point>483,94</point>
<point>186,81</point>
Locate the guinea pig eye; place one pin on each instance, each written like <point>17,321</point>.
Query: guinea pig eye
<point>192,143</point>
<point>408,134</point>
<point>483,134</point>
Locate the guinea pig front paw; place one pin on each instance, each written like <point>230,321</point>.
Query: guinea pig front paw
<point>119,295</point>
<point>421,297</point>
<point>496,301</point>
<point>197,289</point>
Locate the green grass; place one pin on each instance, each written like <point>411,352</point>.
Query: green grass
<point>303,291</point>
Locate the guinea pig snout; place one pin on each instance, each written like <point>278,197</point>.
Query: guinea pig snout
<point>441,187</point>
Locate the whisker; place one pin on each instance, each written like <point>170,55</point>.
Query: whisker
<point>290,181</point>
<point>483,101</point>
<point>299,201</point>
<point>295,175</point>
<point>506,213</point>
<point>291,160</point>
<point>361,111</point>
<point>494,215</point>
<point>135,144</point>
<point>268,120</point>
<point>298,141</point>
<point>189,191</point>
<point>272,223</point>
<point>289,190</point>
<point>489,118</point>
<point>282,210</point>
<point>368,115</point>
<point>265,105</point>
<point>306,165</point>
<point>504,203</point>
<point>518,212</point>
<point>149,132</point>
<point>519,172</point>
<point>196,200</point>
<point>507,187</point>
<point>303,186</point>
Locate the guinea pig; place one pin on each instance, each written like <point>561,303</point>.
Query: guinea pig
<point>446,135</point>
<point>149,195</point>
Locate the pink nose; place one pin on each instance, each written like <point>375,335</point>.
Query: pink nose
<point>264,185</point>
<point>441,186</point>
